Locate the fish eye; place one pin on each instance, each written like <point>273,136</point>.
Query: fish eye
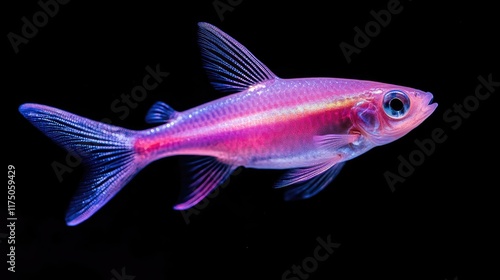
<point>396,104</point>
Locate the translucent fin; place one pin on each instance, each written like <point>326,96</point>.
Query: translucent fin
<point>229,65</point>
<point>106,151</point>
<point>160,112</point>
<point>304,189</point>
<point>334,141</point>
<point>205,174</point>
<point>298,175</point>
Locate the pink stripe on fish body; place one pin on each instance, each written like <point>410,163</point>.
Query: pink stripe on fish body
<point>275,119</point>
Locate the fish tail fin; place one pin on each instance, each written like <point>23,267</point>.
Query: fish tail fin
<point>106,150</point>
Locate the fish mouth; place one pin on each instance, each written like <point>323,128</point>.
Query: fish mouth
<point>430,107</point>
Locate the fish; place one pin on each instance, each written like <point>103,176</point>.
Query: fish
<point>307,127</point>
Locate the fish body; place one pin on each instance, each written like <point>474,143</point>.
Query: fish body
<point>267,127</point>
<point>309,126</point>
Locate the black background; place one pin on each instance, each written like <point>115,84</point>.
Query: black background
<point>436,225</point>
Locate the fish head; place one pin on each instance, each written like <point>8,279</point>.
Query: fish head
<point>389,112</point>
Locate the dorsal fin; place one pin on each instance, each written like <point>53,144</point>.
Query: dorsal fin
<point>229,65</point>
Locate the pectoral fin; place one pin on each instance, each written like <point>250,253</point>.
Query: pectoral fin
<point>334,141</point>
<point>307,182</point>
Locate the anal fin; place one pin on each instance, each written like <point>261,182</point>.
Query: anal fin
<point>204,176</point>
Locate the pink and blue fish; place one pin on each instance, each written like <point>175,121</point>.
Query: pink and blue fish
<point>307,126</point>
